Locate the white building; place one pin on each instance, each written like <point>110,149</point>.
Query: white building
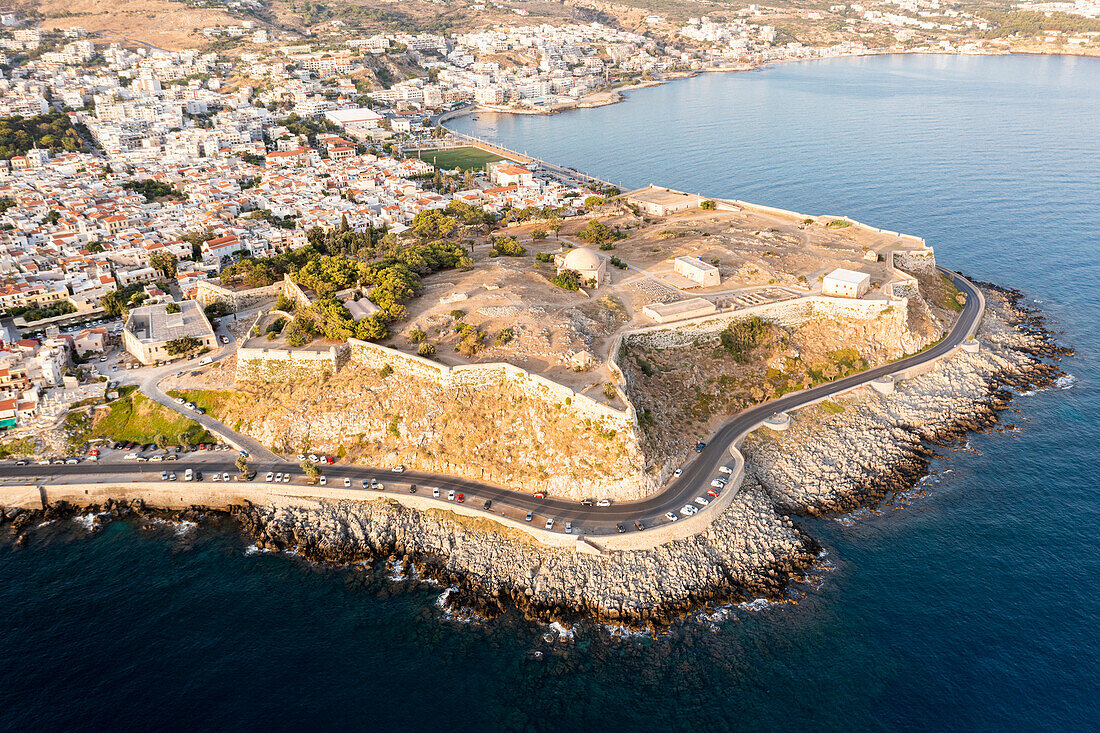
<point>843,283</point>
<point>699,272</point>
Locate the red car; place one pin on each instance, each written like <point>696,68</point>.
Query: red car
<point>331,460</point>
<point>712,492</point>
<point>461,498</point>
<point>540,494</point>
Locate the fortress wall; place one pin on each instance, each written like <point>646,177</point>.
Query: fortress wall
<point>276,365</point>
<point>922,262</point>
<point>209,292</point>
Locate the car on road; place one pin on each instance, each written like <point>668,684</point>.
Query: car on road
<point>712,492</point>
<point>324,481</point>
<point>172,476</point>
<point>678,472</point>
<point>530,516</point>
<point>488,503</point>
<point>270,477</point>
<point>603,502</point>
<point>188,475</point>
<point>347,482</point>
<point>313,458</point>
<point>225,476</point>
<point>279,477</point>
<point>550,523</point>
<point>163,475</point>
<point>205,360</point>
<point>569,528</point>
<point>620,527</point>
<point>71,461</point>
<point>700,447</point>
<point>301,457</point>
<point>702,500</point>
<point>689,509</point>
<point>365,483</point>
<point>725,469</point>
<point>588,502</point>
<point>156,459</point>
<point>461,498</point>
<point>286,477</point>
<point>435,492</point>
<point>540,494</point>
<point>398,469</point>
<point>451,495</point>
<point>718,483</point>
<point>180,401</point>
<point>412,489</point>
<point>225,339</point>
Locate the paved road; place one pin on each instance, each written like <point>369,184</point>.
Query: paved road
<point>593,521</point>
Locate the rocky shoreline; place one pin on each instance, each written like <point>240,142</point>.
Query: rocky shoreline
<point>827,463</point>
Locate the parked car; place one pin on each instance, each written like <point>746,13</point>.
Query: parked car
<point>451,495</point>
<point>540,494</point>
<point>588,502</point>
<point>569,528</point>
<point>279,477</point>
<point>460,498</point>
<point>725,469</point>
<point>702,500</point>
<point>638,525</point>
<point>488,504</point>
<point>435,492</point>
<point>603,502</point>
<point>699,447</point>
<point>286,477</point>
<point>270,477</point>
<point>678,472</point>
<point>620,527</point>
<point>398,469</point>
<point>324,481</point>
<point>530,516</point>
<point>712,492</point>
<point>550,523</point>
<point>225,476</point>
<point>347,482</point>
<point>688,509</point>
<point>163,475</point>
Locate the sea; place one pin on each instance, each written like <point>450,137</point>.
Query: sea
<point>970,604</point>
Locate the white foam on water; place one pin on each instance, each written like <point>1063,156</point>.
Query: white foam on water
<point>1066,381</point>
<point>89,522</point>
<point>47,523</point>
<point>758,604</point>
<point>561,631</point>
<point>397,571</point>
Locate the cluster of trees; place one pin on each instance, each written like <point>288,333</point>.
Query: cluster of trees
<point>598,233</point>
<point>152,190</point>
<point>741,337</point>
<point>119,302</point>
<point>1031,22</point>
<point>53,131</point>
<point>270,218</point>
<point>708,205</point>
<point>165,263</point>
<point>471,340</point>
<point>37,313</point>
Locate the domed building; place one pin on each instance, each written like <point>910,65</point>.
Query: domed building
<point>586,263</point>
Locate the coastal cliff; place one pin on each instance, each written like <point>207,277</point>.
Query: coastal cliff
<point>825,464</point>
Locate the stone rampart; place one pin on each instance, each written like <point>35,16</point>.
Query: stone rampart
<point>208,292</point>
<point>277,365</point>
<point>922,262</point>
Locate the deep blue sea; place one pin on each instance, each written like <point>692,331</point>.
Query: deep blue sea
<point>972,607</point>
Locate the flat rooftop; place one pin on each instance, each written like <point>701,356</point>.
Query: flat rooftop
<point>153,324</point>
<point>679,308</point>
<point>663,197</point>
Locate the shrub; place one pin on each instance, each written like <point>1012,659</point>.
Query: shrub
<point>385,371</point>
<point>508,247</point>
<point>741,337</point>
<point>618,263</point>
<point>504,336</point>
<point>538,234</point>
<point>417,336</point>
<point>425,349</point>
<point>172,308</point>
<point>458,314</point>
<point>596,232</point>
<point>707,205</point>
<point>543,257</point>
<point>567,279</point>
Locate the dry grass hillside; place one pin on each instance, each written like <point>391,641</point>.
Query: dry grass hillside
<point>381,419</point>
<point>160,23</point>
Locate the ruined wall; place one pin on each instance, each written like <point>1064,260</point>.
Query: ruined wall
<point>209,292</point>
<point>277,365</point>
<point>923,262</point>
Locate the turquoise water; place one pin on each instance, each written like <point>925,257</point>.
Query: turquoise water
<point>973,607</point>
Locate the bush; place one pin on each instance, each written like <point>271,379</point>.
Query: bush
<point>618,263</point>
<point>707,205</point>
<point>172,308</point>
<point>504,336</point>
<point>741,337</point>
<point>425,349</point>
<point>458,314</point>
<point>508,247</point>
<point>417,336</point>
<point>596,232</point>
<point>385,371</point>
<point>567,279</point>
<point>538,234</point>
<point>543,257</point>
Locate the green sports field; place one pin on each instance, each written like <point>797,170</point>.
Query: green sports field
<point>464,158</point>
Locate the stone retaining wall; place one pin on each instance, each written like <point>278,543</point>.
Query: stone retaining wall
<point>208,292</point>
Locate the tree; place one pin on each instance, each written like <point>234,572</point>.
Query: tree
<point>182,345</point>
<point>242,464</point>
<point>309,468</point>
<point>433,224</point>
<point>185,439</point>
<point>568,279</point>
<point>161,440</point>
<point>707,205</point>
<point>165,263</point>
<point>172,308</point>
<point>596,232</point>
<point>555,224</point>
<point>538,234</point>
<point>508,246</point>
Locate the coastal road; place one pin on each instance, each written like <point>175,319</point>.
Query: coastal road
<point>593,521</point>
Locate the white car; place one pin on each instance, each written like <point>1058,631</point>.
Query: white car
<point>398,469</point>
<point>549,523</point>
<point>225,476</point>
<point>451,495</point>
<point>270,477</point>
<point>718,483</point>
<point>225,339</point>
<point>702,500</point>
<point>279,477</point>
<point>301,457</point>
<point>217,477</point>
<point>324,481</point>
<point>725,469</point>
<point>678,472</point>
<point>163,475</point>
<point>189,405</point>
<point>181,401</point>
<point>347,481</point>
<point>687,510</point>
<point>603,502</point>
<point>313,458</point>
<point>671,517</point>
<point>286,478</point>
<point>435,492</point>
